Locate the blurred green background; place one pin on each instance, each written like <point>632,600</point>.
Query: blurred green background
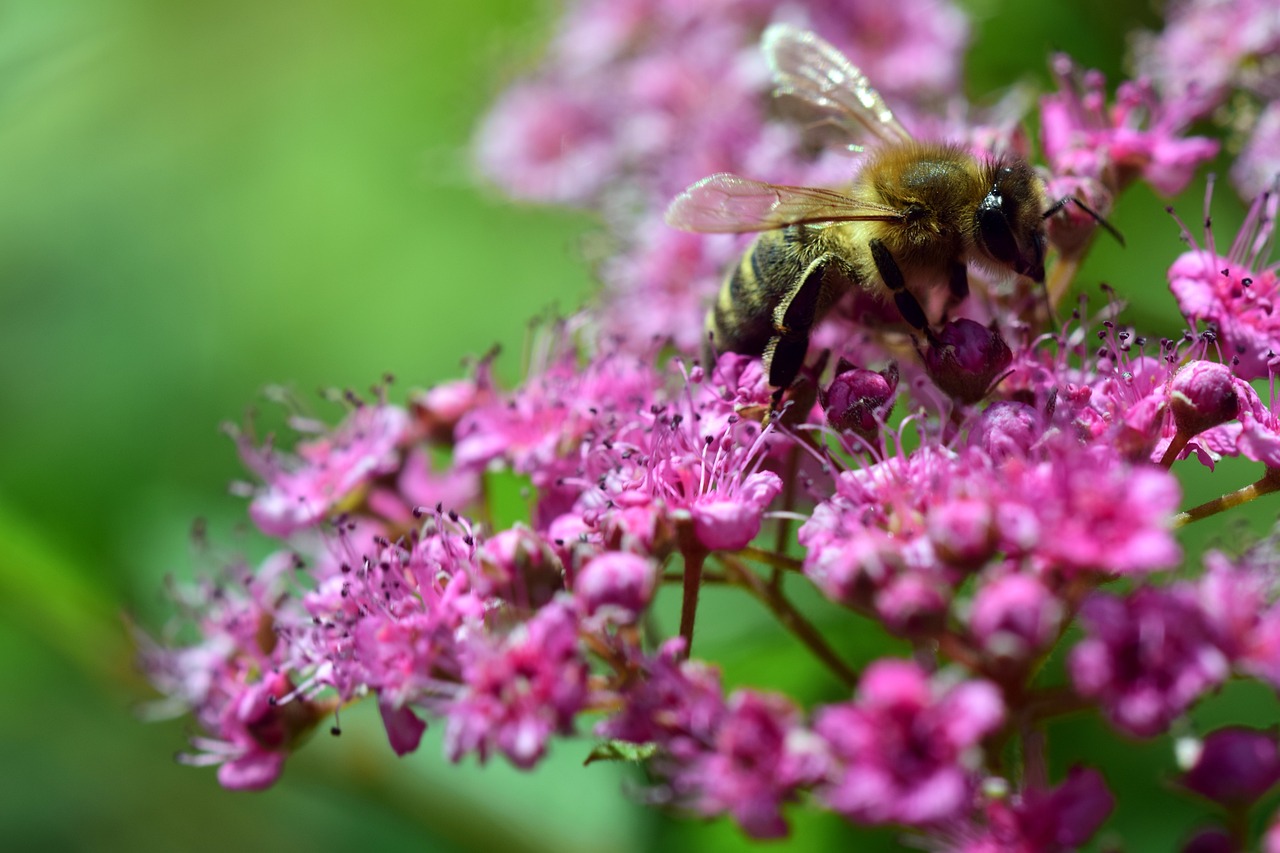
<point>207,198</point>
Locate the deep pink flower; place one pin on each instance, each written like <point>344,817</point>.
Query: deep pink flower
<point>678,704</point>
<point>518,690</point>
<point>1039,819</point>
<point>1236,292</point>
<point>1147,657</point>
<point>1136,137</point>
<point>300,490</point>
<point>859,400</point>
<point>1203,395</point>
<point>761,757</point>
<point>964,358</point>
<point>905,748</point>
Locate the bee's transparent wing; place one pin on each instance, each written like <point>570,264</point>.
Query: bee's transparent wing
<point>727,203</point>
<point>811,70</point>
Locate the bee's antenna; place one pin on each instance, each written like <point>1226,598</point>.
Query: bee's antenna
<point>1097,217</point>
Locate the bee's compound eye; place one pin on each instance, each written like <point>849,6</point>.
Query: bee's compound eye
<point>995,233</point>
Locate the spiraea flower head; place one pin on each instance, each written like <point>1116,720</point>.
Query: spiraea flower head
<point>905,748</point>
<point>1235,292</point>
<point>1146,657</point>
<point>1139,136</point>
<point>1019,506</point>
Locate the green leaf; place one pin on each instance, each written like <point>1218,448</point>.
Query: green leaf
<point>621,750</point>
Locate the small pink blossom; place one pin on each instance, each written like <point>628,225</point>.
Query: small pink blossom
<point>299,491</point>
<point>1236,292</point>
<point>1146,658</point>
<point>1137,137</point>
<point>905,747</point>
<point>519,690</point>
<point>762,756</point>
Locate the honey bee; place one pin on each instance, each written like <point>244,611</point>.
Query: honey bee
<point>915,213</point>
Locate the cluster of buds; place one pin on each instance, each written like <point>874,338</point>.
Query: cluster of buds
<point>994,496</point>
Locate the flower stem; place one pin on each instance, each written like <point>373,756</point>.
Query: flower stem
<point>788,500</point>
<point>1270,482</point>
<point>793,620</point>
<point>771,558</point>
<point>694,557</point>
<point>1178,442</point>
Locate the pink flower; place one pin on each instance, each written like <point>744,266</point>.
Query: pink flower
<point>1146,658</point>
<point>299,491</point>
<point>678,705</point>
<point>1041,820</point>
<point>1237,292</point>
<point>519,690</point>
<point>905,748</point>
<point>1137,137</point>
<point>760,759</point>
<point>1209,47</point>
<point>545,142</point>
<point>1255,170</point>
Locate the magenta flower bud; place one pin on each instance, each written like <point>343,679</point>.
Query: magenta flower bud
<point>439,409</point>
<point>615,587</point>
<point>1203,395</point>
<point>1236,766</point>
<point>1014,616</point>
<point>516,563</point>
<point>859,400</point>
<point>1212,840</point>
<point>913,605</point>
<point>965,358</point>
<point>1007,429</point>
<point>963,532</point>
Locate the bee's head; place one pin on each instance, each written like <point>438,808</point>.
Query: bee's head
<point>1010,229</point>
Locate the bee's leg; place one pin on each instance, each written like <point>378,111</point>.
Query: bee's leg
<point>793,319</point>
<point>908,306</point>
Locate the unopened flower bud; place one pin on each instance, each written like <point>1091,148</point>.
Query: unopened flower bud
<point>1202,396</point>
<point>1074,223</point>
<point>1236,766</point>
<point>439,409</point>
<point>965,358</point>
<point>1014,616</point>
<point>616,586</point>
<point>516,563</point>
<point>859,400</point>
<point>1007,429</point>
<point>963,533</point>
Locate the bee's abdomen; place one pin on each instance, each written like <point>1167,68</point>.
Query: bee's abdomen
<point>742,318</point>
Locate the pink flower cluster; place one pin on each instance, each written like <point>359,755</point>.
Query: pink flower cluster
<point>996,494</point>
